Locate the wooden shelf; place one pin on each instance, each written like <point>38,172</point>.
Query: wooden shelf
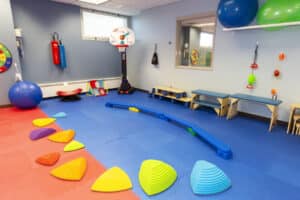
<point>262,26</point>
<point>183,99</point>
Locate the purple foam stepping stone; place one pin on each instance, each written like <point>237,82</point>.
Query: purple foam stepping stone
<point>41,132</point>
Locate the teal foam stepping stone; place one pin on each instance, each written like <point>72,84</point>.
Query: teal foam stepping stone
<point>207,179</point>
<point>60,115</point>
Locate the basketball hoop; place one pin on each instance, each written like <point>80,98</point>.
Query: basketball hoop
<point>122,38</point>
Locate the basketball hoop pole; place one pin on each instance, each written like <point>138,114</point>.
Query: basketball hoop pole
<point>125,87</point>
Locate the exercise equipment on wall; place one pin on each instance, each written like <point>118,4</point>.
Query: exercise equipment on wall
<point>58,51</point>
<point>278,11</point>
<point>274,94</point>
<point>154,60</point>
<point>254,66</point>
<point>19,40</point>
<point>55,48</point>
<point>122,38</point>
<point>237,13</point>
<point>5,58</point>
<point>62,55</point>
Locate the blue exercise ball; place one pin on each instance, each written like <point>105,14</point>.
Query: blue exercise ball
<point>25,95</point>
<point>237,13</point>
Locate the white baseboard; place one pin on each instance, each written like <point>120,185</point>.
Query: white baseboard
<point>50,89</point>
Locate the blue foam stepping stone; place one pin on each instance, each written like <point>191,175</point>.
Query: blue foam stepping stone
<point>208,179</point>
<point>41,132</point>
<point>60,115</point>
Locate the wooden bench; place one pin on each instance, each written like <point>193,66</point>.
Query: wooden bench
<point>220,107</point>
<point>271,104</point>
<point>171,93</point>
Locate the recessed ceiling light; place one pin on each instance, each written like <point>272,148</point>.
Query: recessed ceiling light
<point>94,1</point>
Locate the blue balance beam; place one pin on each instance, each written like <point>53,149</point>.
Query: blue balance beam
<point>222,149</point>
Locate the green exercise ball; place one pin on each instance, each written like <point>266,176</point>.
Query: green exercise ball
<point>251,79</point>
<point>278,11</point>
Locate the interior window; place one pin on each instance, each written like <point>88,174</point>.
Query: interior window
<point>195,42</point>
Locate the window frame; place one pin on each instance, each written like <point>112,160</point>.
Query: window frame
<point>101,39</point>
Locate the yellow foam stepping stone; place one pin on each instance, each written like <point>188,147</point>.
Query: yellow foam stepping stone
<point>133,109</point>
<point>73,170</point>
<point>73,146</point>
<point>62,136</point>
<point>113,180</point>
<point>156,176</point>
<point>42,122</point>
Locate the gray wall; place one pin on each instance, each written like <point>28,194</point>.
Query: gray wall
<point>232,57</point>
<point>86,59</point>
<point>7,38</point>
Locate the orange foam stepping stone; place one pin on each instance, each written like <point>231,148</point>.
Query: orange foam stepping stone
<point>48,159</point>
<point>113,180</point>
<point>62,136</point>
<point>42,122</point>
<point>73,146</point>
<point>73,170</point>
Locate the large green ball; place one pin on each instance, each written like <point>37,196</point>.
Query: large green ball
<point>278,11</point>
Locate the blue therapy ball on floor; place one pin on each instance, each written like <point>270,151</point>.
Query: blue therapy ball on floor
<point>237,13</point>
<point>25,95</point>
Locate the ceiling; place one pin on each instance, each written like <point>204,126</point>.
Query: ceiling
<point>124,7</point>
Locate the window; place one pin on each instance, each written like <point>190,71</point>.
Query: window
<point>195,41</point>
<point>206,40</point>
<point>98,26</point>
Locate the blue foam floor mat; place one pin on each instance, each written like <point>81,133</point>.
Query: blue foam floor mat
<point>264,165</point>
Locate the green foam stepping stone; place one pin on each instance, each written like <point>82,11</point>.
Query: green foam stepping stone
<point>156,176</point>
<point>73,146</point>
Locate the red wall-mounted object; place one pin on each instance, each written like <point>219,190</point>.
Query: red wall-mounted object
<point>55,49</point>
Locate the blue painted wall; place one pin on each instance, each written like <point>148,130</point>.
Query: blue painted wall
<point>231,60</point>
<point>7,37</point>
<point>86,59</point>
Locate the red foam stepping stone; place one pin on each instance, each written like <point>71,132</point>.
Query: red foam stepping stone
<point>48,159</point>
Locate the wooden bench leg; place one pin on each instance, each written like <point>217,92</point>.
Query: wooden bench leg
<point>274,116</point>
<point>224,106</point>
<point>292,112</point>
<point>233,108</point>
<point>294,131</point>
<point>194,105</point>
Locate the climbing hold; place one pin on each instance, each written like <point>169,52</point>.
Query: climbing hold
<point>48,159</point>
<point>281,56</point>
<point>73,146</point>
<point>156,176</point>
<point>112,180</point>
<point>62,136</point>
<point>276,73</point>
<point>42,122</point>
<point>274,92</point>
<point>207,178</point>
<point>73,170</point>
<point>40,133</point>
